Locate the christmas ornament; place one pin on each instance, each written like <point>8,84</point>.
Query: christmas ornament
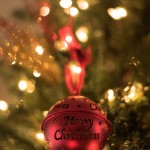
<point>76,123</point>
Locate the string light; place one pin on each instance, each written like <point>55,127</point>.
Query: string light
<point>65,3</point>
<point>36,73</point>
<point>44,11</point>
<point>14,62</point>
<point>117,13</point>
<point>73,11</point>
<point>3,105</point>
<point>134,92</point>
<point>45,113</point>
<point>75,69</point>
<point>83,4</point>
<point>27,85</point>
<point>68,38</point>
<point>40,136</point>
<point>81,34</point>
<point>39,50</point>
<point>111,95</point>
<point>22,85</point>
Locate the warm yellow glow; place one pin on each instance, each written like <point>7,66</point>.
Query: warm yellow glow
<point>22,85</point>
<point>81,34</point>
<point>15,48</point>
<point>3,105</point>
<point>134,92</point>
<point>75,69</point>
<point>44,11</point>
<point>39,50</point>
<point>83,4</point>
<point>30,86</point>
<point>40,136</point>
<point>68,38</point>
<point>73,11</point>
<point>45,113</point>
<point>122,11</point>
<point>117,13</point>
<point>14,62</point>
<point>114,14</point>
<point>36,73</point>
<point>111,95</point>
<point>65,3</point>
<point>131,95</point>
<point>61,45</point>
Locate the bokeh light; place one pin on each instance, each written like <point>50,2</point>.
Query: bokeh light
<point>73,11</point>
<point>44,11</point>
<point>39,50</point>
<point>83,4</point>
<point>40,136</point>
<point>68,38</point>
<point>81,34</point>
<point>3,105</point>
<point>65,3</point>
<point>45,113</point>
<point>110,95</point>
<point>75,69</point>
<point>22,85</point>
<point>36,73</point>
<point>30,86</point>
<point>117,13</point>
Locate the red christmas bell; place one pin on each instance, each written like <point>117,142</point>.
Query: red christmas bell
<point>76,123</point>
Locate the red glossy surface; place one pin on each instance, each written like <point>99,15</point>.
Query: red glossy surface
<point>76,123</point>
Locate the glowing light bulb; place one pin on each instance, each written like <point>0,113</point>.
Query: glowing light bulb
<point>45,113</point>
<point>111,95</point>
<point>36,73</point>
<point>40,136</point>
<point>22,85</point>
<point>3,105</point>
<point>39,50</point>
<point>122,11</point>
<point>68,38</point>
<point>81,34</point>
<point>83,4</point>
<point>117,13</point>
<point>73,11</point>
<point>65,3</point>
<point>75,69</point>
<point>131,95</point>
<point>44,11</point>
<point>114,14</point>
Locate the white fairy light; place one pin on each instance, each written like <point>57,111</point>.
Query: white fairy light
<point>75,69</point>
<point>36,73</point>
<point>39,50</point>
<point>117,13</point>
<point>40,136</point>
<point>68,38</point>
<point>83,4</point>
<point>81,34</point>
<point>3,105</point>
<point>22,85</point>
<point>65,3</point>
<point>73,11</point>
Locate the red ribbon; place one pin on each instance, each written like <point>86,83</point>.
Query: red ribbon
<point>79,59</point>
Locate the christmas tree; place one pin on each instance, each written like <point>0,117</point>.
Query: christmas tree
<point>114,37</point>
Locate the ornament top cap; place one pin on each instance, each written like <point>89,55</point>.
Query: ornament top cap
<point>76,104</point>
